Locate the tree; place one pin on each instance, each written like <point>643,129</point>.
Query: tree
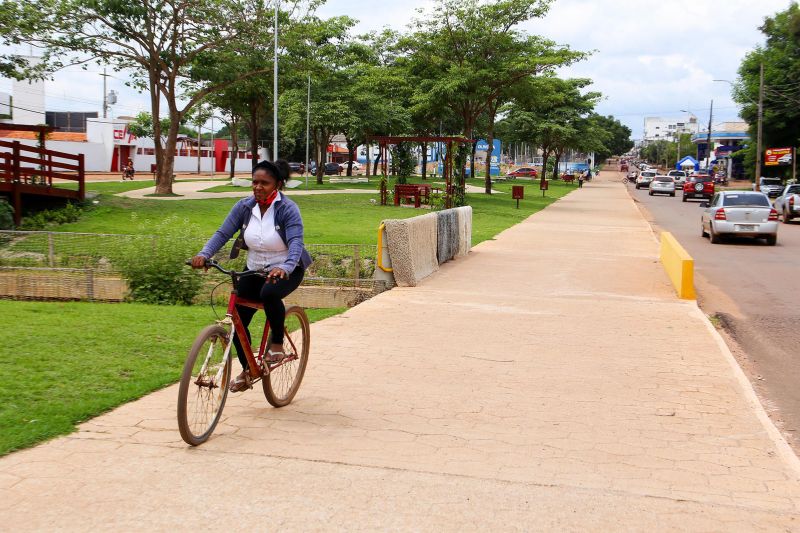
<point>178,52</point>
<point>780,56</point>
<point>472,57</point>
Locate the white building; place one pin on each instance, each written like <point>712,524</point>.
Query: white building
<point>25,104</point>
<point>667,129</point>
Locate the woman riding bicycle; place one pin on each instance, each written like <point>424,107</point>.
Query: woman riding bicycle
<point>273,233</point>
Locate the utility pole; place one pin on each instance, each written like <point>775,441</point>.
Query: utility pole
<point>105,92</point>
<point>760,127</point>
<point>275,89</point>
<point>308,128</point>
<point>708,139</point>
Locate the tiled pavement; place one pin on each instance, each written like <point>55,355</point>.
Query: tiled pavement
<point>549,380</point>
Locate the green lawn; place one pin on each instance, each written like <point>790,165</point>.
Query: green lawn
<point>63,363</point>
<point>328,219</point>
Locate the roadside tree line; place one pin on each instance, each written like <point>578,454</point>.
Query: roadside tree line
<point>463,68</point>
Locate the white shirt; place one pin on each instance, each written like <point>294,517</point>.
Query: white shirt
<point>264,243</point>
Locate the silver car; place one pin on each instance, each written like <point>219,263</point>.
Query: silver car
<point>662,185</point>
<point>739,213</point>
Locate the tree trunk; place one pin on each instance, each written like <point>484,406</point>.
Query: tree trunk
<point>367,160</point>
<point>253,124</point>
<point>490,149</point>
<point>545,157</point>
<point>377,160</point>
<point>472,160</point>
<point>164,179</point>
<point>349,156</point>
<point>235,144</point>
<point>424,160</point>
<point>558,155</point>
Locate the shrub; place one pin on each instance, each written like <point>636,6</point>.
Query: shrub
<point>42,219</point>
<point>154,268</point>
<point>6,215</point>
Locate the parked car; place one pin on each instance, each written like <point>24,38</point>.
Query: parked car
<point>644,179</point>
<point>679,176</point>
<point>524,171</point>
<point>740,213</point>
<point>662,185</point>
<point>356,166</point>
<point>297,168</point>
<point>698,186</point>
<point>772,187</point>
<point>330,169</point>
<point>788,203</point>
<point>623,167</point>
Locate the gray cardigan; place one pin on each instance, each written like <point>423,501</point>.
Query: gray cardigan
<point>288,224</point>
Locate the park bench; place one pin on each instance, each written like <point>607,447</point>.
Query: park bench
<point>568,178</point>
<point>419,192</point>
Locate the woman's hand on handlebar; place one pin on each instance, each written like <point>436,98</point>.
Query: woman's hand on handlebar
<point>199,261</point>
<point>275,274</point>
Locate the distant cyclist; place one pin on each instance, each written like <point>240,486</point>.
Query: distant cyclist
<point>272,229</point>
<point>128,171</point>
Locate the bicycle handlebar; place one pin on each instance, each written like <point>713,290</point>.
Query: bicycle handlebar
<point>210,263</point>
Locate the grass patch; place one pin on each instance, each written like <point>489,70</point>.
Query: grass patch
<point>328,219</point>
<point>68,362</point>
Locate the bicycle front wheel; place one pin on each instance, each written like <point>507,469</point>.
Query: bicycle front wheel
<point>204,385</point>
<point>282,383</point>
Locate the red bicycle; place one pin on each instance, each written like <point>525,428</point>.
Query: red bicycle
<point>207,371</point>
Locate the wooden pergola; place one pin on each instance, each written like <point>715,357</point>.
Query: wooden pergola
<point>447,167</point>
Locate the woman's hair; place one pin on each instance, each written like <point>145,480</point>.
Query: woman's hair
<point>278,169</point>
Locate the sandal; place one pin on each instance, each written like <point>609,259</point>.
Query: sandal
<point>275,357</point>
<point>241,382</point>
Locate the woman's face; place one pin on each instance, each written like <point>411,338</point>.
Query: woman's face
<point>263,184</point>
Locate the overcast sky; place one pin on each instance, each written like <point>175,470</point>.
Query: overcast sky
<point>651,58</point>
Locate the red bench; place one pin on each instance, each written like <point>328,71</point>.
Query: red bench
<point>416,192</point>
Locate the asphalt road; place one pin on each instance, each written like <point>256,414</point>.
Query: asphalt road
<point>753,289</point>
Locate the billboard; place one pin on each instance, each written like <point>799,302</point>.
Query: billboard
<point>777,156</point>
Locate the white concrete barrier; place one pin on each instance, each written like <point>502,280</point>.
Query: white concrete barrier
<point>414,248</point>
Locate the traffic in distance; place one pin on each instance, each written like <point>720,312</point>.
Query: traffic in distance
<point>725,213</point>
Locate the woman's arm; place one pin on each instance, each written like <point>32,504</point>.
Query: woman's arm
<point>292,224</point>
<point>232,223</point>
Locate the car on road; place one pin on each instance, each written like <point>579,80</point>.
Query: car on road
<point>772,187</point>
<point>524,171</point>
<point>739,213</point>
<point>662,185</point>
<point>698,186</point>
<point>679,176</point>
<point>644,179</point>
<point>788,203</point>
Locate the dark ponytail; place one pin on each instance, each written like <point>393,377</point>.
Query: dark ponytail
<point>279,170</point>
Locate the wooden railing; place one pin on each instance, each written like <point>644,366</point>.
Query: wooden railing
<point>30,170</point>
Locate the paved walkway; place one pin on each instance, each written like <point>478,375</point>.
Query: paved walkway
<point>193,190</point>
<point>548,381</point>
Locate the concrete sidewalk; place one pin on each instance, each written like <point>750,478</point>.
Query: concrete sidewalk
<point>550,380</point>
<point>193,190</point>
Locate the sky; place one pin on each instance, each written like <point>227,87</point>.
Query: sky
<point>649,58</point>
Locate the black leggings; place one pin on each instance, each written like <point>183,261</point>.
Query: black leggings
<point>271,295</point>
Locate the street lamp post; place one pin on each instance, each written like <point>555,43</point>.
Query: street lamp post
<point>275,89</point>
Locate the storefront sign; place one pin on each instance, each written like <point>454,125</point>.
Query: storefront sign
<point>777,156</point>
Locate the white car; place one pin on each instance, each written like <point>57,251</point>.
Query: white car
<point>662,185</point>
<point>785,159</point>
<point>356,166</point>
<point>679,176</point>
<point>741,214</point>
<point>644,179</point>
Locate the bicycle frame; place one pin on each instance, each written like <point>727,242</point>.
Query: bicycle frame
<point>254,361</point>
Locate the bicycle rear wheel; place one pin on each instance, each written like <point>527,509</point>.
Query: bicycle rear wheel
<point>282,383</point>
<point>204,385</point>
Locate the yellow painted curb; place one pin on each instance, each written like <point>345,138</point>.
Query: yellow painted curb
<point>679,266</point>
